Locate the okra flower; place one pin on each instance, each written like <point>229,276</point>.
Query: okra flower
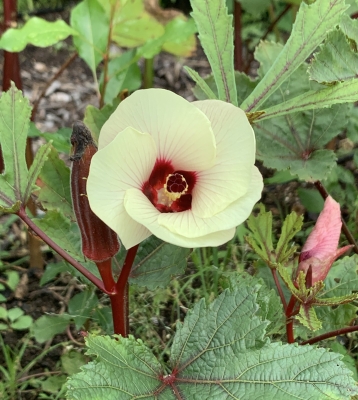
<point>181,171</point>
<point>320,250</point>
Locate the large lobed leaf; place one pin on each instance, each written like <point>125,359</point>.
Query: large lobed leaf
<point>216,36</point>
<point>219,352</point>
<point>310,28</point>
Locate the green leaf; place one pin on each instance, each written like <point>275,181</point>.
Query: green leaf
<point>347,359</point>
<point>123,73</point>
<point>255,7</point>
<point>349,27</point>
<point>103,316</point>
<point>13,279</point>
<point>55,193</point>
<point>52,270</point>
<point>81,305</point>
<point>3,313</point>
<point>14,116</point>
<point>135,32</point>
<point>157,262</point>
<point>35,169</point>
<point>297,142</point>
<point>95,118</point>
<point>291,226</point>
<point>109,376</point>
<point>203,91</point>
<point>23,322</point>
<point>261,238</point>
<point>216,36</point>
<point>53,384</point>
<point>342,278</point>
<point>310,28</point>
<point>311,200</point>
<point>335,62</point>
<point>14,313</point>
<point>47,326</point>
<point>90,21</point>
<point>340,93</point>
<point>72,361</point>
<point>60,139</point>
<point>179,38</point>
<point>37,32</point>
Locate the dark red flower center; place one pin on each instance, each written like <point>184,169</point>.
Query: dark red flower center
<point>169,190</point>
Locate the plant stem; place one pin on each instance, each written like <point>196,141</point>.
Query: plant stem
<point>238,59</point>
<point>106,57</point>
<point>322,190</point>
<point>289,320</point>
<point>279,288</point>
<point>42,235</point>
<point>327,335</point>
<point>105,270</point>
<point>148,73</point>
<point>119,299</point>
<point>274,22</point>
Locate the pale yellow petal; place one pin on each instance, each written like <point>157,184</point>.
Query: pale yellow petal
<point>125,163</point>
<point>182,133</point>
<point>141,209</point>
<point>229,179</point>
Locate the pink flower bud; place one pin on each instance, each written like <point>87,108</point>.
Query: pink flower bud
<point>320,250</point>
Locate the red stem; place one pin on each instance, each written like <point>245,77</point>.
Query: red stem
<point>238,59</point>
<point>119,299</point>
<point>279,288</point>
<point>289,320</point>
<point>97,282</point>
<point>105,270</point>
<point>327,335</point>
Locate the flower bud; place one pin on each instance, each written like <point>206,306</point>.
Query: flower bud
<point>99,242</point>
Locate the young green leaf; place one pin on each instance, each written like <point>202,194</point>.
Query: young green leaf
<point>261,238</point>
<point>291,226</point>
<point>15,116</point>
<point>92,25</point>
<point>47,326</point>
<point>37,32</point>
<point>310,28</point>
<point>307,316</point>
<point>216,36</point>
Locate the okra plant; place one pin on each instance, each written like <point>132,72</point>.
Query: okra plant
<point>165,175</point>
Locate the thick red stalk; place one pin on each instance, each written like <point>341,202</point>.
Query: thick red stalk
<point>119,300</point>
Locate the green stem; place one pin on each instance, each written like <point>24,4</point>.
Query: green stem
<point>279,288</point>
<point>148,73</point>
